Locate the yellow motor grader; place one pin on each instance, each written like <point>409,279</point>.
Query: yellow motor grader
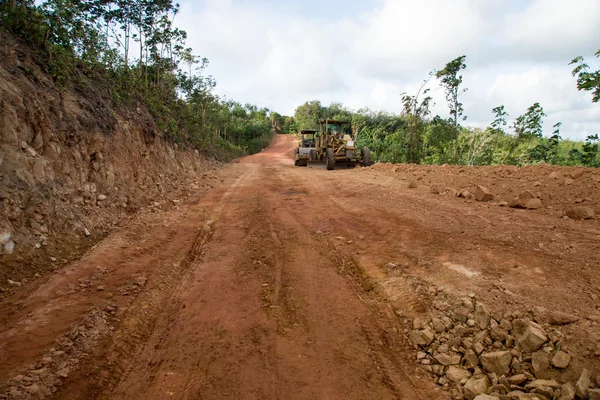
<point>334,144</point>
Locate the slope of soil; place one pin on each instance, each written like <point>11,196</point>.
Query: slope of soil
<point>72,166</point>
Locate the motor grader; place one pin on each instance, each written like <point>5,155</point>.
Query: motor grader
<point>334,144</point>
<point>307,144</point>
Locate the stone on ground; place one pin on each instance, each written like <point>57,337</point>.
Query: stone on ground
<point>583,384</point>
<point>561,360</point>
<point>497,362</point>
<point>532,339</point>
<point>581,212</point>
<point>483,194</point>
<point>475,386</point>
<point>526,200</point>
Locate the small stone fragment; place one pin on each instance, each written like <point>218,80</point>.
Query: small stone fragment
<point>540,362</point>
<point>457,374</point>
<point>581,212</point>
<point>483,194</point>
<point>526,200</point>
<point>532,339</point>
<point>583,384</point>
<point>421,337</point>
<point>594,394</point>
<point>497,362</point>
<point>561,360</point>
<point>567,391</point>
<point>475,386</point>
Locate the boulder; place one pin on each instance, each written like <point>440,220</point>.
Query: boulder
<point>526,200</point>
<point>475,386</point>
<point>497,362</point>
<point>483,194</point>
<point>581,212</point>
<point>532,339</point>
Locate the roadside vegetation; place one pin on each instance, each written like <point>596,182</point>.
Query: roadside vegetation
<point>133,48</point>
<point>415,136</point>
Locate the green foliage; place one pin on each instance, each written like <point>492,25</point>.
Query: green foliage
<point>587,80</point>
<point>93,38</point>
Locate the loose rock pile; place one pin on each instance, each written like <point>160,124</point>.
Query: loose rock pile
<point>477,354</point>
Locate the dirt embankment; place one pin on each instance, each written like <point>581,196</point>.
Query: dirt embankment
<point>72,166</point>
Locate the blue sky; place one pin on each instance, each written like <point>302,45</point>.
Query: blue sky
<point>279,54</point>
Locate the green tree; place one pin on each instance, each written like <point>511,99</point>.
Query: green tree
<point>415,112</point>
<point>587,80</point>
<point>451,81</point>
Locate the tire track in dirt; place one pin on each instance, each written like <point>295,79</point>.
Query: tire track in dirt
<point>137,325</point>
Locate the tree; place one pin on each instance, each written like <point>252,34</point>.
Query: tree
<point>451,80</point>
<point>416,111</point>
<point>586,80</point>
<point>526,127</point>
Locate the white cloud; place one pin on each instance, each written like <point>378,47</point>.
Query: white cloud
<point>517,53</point>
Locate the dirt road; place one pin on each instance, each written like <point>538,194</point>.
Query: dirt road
<point>274,286</point>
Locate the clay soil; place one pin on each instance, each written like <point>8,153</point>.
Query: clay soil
<point>277,284</point>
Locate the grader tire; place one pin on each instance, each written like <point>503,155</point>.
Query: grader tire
<point>330,158</point>
<point>366,157</point>
<point>313,155</point>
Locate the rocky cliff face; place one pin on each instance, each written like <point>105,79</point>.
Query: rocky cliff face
<point>72,165</point>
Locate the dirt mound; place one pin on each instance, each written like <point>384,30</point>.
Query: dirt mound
<point>557,188</point>
<point>72,166</point>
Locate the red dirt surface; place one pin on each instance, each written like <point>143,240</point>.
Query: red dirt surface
<point>274,285</point>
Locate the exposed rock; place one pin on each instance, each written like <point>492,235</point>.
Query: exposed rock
<point>483,194</point>
<point>551,383</point>
<point>581,212</point>
<point>481,316</point>
<point>435,189</point>
<point>447,359</point>
<point>517,379</point>
<point>412,184</point>
<point>567,391</point>
<point>475,386</point>
<point>497,362</point>
<point>583,384</point>
<point>561,318</point>
<point>594,394</point>
<point>470,359</point>
<point>578,173</point>
<point>457,374</point>
<point>526,200</point>
<point>540,362</point>
<point>438,325</point>
<point>421,337</point>
<point>101,197</point>
<point>464,194</point>
<point>561,360</point>
<point>503,203</point>
<point>532,339</point>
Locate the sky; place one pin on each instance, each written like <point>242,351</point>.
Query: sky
<point>365,53</point>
